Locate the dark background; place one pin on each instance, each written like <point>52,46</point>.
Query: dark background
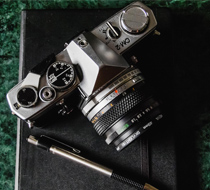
<point>184,85</point>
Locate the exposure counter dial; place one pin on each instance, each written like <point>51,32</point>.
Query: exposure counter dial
<point>60,75</point>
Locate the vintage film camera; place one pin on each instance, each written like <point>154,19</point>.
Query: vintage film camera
<point>113,93</point>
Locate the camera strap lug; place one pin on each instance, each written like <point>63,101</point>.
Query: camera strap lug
<point>157,33</point>
<point>65,44</point>
<point>134,59</point>
<point>30,124</point>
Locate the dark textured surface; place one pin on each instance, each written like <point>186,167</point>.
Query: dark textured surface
<point>76,130</point>
<point>191,54</point>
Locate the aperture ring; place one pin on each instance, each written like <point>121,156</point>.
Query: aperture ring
<point>114,94</point>
<point>114,85</point>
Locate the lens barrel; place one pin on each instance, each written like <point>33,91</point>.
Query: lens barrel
<point>124,110</point>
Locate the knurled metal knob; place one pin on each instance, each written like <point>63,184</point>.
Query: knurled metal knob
<point>134,19</point>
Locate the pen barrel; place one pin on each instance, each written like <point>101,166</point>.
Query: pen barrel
<point>69,155</point>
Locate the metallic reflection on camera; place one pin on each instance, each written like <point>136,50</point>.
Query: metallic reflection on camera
<point>113,92</point>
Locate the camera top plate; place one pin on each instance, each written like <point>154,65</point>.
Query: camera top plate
<point>131,24</point>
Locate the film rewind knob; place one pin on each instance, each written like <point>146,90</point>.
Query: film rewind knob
<point>134,19</point>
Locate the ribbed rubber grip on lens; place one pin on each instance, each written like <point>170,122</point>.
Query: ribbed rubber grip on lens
<point>124,105</point>
<point>127,181</point>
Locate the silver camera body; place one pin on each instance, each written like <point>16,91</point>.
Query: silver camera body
<point>92,63</point>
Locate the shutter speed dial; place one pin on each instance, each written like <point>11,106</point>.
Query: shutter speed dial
<point>134,20</point>
<point>60,75</point>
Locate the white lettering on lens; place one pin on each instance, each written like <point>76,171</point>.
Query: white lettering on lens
<point>159,117</point>
<point>147,125</point>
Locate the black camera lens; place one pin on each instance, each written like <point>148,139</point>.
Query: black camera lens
<point>124,110</point>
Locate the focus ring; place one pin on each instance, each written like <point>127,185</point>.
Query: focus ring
<point>124,105</point>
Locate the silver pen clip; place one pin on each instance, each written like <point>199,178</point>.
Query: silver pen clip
<point>66,145</point>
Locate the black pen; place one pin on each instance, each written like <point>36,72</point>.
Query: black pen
<point>59,148</point>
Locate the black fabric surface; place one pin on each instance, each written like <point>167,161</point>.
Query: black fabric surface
<point>45,32</point>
